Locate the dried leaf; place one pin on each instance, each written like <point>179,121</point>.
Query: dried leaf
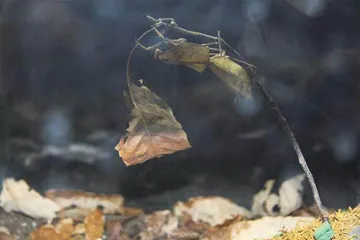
<point>226,231</point>
<point>184,234</point>
<point>77,214</point>
<point>115,230</point>
<point>212,210</point>
<point>17,196</point>
<point>130,212</point>
<point>111,204</point>
<point>190,54</point>
<point>159,224</point>
<point>94,225</point>
<point>66,228</point>
<point>153,130</point>
<point>46,232</point>
<point>79,229</point>
<point>5,234</point>
<point>63,230</point>
<point>235,76</point>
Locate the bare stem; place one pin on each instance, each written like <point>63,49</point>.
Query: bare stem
<point>285,126</point>
<point>220,50</point>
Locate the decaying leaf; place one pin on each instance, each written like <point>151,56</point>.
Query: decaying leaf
<point>17,196</point>
<point>153,130</point>
<point>226,231</point>
<point>234,76</point>
<point>130,212</point>
<point>184,234</point>
<point>159,224</point>
<point>85,201</point>
<point>66,228</point>
<point>115,230</point>
<point>261,229</point>
<point>5,234</point>
<point>190,54</point>
<point>212,210</point>
<point>46,232</point>
<point>94,225</point>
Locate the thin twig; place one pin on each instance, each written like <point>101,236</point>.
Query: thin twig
<point>219,41</point>
<point>173,26</point>
<point>209,44</point>
<point>285,126</point>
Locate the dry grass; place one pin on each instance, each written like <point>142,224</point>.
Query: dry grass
<point>342,222</point>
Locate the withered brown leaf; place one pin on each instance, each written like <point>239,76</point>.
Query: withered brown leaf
<point>234,75</point>
<point>45,232</point>
<point>153,130</point>
<point>94,225</point>
<point>190,54</point>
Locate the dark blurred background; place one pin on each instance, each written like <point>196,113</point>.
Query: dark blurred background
<point>62,112</point>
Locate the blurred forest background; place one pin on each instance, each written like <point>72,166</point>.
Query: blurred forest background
<point>62,111</point>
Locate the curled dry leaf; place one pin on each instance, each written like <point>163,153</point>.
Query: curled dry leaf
<point>17,196</point>
<point>190,54</point>
<point>86,201</point>
<point>212,210</point>
<point>94,225</point>
<point>153,130</point>
<point>234,75</point>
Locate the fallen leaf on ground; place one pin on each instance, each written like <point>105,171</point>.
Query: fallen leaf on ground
<point>86,201</point>
<point>190,54</point>
<point>18,196</point>
<point>5,234</point>
<point>234,76</point>
<point>65,227</point>
<point>94,225</point>
<point>153,130</point>
<point>75,213</point>
<point>226,231</point>
<point>129,211</point>
<point>267,227</point>
<point>115,231</point>
<point>46,232</point>
<point>211,210</point>
<point>159,224</point>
